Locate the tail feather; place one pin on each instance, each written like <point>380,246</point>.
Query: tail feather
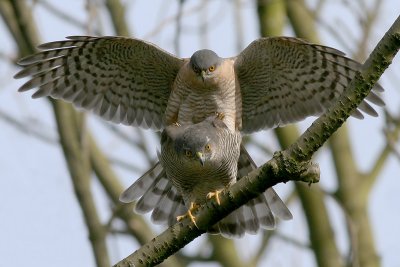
<point>168,207</point>
<point>231,225</point>
<point>278,207</point>
<point>250,220</point>
<point>247,219</point>
<point>263,212</point>
<point>267,204</point>
<point>142,184</point>
<point>153,194</point>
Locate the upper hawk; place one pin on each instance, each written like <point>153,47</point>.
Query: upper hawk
<point>274,81</point>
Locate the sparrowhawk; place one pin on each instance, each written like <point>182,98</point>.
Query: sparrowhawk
<point>195,160</point>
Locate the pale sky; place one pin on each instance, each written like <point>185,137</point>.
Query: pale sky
<point>41,222</point>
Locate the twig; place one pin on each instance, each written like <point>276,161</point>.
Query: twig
<point>63,15</point>
<point>292,241</point>
<point>370,17</point>
<point>125,165</point>
<point>116,10</point>
<point>171,20</point>
<point>24,128</point>
<point>238,25</point>
<point>203,29</point>
<point>178,28</point>
<point>392,133</point>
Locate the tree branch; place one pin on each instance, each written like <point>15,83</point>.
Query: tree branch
<point>73,138</point>
<point>65,16</point>
<point>392,134</point>
<point>19,19</point>
<point>137,227</point>
<point>224,251</point>
<point>117,13</point>
<point>320,230</point>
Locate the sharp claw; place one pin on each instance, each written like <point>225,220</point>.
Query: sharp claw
<point>215,194</point>
<point>193,207</point>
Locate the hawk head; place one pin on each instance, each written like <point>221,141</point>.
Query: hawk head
<point>204,62</point>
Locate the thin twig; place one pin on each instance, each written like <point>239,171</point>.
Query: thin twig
<point>392,133</point>
<point>178,28</point>
<point>63,15</point>
<point>25,128</point>
<point>171,20</point>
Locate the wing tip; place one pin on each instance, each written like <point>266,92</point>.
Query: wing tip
<point>124,198</point>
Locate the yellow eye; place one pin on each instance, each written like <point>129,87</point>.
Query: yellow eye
<point>208,147</point>
<point>211,69</point>
<point>188,153</point>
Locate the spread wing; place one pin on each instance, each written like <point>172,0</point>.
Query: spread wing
<point>284,80</point>
<point>121,79</point>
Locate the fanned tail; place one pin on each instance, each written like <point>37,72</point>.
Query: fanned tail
<point>257,213</point>
<point>155,193</point>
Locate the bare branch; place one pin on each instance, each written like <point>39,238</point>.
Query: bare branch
<point>238,25</point>
<point>117,13</point>
<point>178,28</point>
<point>26,128</point>
<point>63,15</point>
<point>292,241</point>
<point>171,20</point>
<point>392,133</point>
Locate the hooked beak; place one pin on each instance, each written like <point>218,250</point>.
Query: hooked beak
<point>201,158</point>
<point>203,75</point>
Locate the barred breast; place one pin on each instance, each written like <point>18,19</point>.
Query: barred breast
<point>193,100</point>
<point>195,181</point>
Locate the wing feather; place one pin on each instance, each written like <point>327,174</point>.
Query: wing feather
<point>284,80</point>
<point>130,79</point>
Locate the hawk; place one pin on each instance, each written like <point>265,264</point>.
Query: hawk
<point>197,162</point>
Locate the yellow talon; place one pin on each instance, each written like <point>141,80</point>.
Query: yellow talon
<point>192,208</point>
<point>220,115</point>
<point>177,124</point>
<point>216,195</point>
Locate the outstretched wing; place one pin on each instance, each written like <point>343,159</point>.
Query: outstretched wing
<point>121,79</point>
<point>284,80</point>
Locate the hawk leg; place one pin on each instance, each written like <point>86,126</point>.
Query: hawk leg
<point>215,194</point>
<point>193,207</point>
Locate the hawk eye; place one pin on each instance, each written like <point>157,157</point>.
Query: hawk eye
<point>188,153</point>
<point>211,68</point>
<point>208,147</point>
